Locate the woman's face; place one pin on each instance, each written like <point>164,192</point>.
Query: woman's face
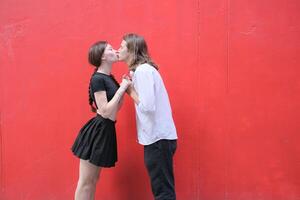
<point>123,52</point>
<point>109,54</point>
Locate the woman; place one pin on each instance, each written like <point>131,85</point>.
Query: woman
<point>96,144</point>
<point>155,125</point>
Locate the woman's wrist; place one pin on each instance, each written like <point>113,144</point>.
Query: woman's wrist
<point>121,90</point>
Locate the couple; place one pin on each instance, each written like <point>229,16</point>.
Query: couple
<point>96,143</point>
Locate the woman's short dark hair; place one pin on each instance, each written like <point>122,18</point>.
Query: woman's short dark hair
<point>95,58</point>
<point>95,53</point>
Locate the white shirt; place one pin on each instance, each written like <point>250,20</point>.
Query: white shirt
<point>153,113</point>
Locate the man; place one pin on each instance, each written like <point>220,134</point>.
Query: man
<point>155,125</point>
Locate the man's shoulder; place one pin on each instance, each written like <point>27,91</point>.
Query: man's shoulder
<point>145,68</point>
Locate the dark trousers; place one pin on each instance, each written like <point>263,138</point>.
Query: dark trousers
<point>158,158</point>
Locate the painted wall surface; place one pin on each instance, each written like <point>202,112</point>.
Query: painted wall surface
<point>231,69</point>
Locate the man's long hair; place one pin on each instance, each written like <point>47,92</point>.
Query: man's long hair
<point>137,47</point>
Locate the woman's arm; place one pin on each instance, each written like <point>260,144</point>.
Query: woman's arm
<point>120,103</point>
<point>108,109</point>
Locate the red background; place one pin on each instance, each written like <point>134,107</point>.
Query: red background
<point>231,69</point>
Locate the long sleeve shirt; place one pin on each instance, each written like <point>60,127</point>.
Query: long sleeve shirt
<point>153,113</point>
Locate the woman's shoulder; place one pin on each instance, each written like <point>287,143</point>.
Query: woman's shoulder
<point>97,77</point>
<point>100,76</point>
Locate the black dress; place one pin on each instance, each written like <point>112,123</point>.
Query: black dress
<point>96,140</point>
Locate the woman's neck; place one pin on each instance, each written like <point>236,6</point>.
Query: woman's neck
<point>105,68</point>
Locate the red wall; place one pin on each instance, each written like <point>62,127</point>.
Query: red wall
<point>232,71</point>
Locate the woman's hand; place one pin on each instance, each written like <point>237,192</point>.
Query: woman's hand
<point>126,82</point>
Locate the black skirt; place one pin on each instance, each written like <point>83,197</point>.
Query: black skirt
<point>97,142</point>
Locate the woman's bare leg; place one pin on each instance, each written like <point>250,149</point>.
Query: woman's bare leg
<point>88,177</point>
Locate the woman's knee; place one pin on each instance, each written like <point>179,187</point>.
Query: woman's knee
<point>88,181</point>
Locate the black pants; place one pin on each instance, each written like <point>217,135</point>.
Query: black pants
<point>158,159</point>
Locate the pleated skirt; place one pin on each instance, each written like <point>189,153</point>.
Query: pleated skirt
<point>97,142</point>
